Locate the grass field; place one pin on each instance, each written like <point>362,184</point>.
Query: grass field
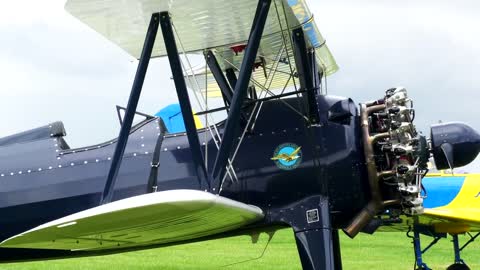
<point>380,251</point>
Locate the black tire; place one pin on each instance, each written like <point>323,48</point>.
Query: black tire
<point>458,266</point>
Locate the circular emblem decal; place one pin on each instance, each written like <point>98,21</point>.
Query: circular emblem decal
<point>287,156</point>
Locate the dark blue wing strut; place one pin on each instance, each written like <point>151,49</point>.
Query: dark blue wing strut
<point>306,72</point>
<point>131,108</point>
<point>183,99</point>
<point>219,77</point>
<point>240,93</point>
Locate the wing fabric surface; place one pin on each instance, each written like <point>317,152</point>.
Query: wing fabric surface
<point>154,218</point>
<point>199,24</point>
<point>211,24</point>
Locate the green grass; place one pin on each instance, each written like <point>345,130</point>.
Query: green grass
<point>380,251</point>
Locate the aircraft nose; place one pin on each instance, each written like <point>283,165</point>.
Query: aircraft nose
<point>454,145</point>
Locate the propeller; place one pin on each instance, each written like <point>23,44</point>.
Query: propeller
<point>454,145</point>
<point>447,150</point>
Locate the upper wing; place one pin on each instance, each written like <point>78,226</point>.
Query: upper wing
<point>154,218</point>
<point>217,25</point>
<point>199,24</point>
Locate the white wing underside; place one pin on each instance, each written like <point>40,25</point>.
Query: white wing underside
<point>155,218</point>
<point>210,24</point>
<point>200,24</point>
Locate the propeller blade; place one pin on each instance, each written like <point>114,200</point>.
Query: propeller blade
<point>447,150</point>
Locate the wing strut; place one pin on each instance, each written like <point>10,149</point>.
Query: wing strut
<point>183,99</point>
<point>240,92</point>
<point>306,69</point>
<point>220,78</point>
<point>223,83</point>
<point>232,78</point>
<point>131,108</point>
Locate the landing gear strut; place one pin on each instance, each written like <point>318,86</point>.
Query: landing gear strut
<point>459,264</point>
<point>419,252</point>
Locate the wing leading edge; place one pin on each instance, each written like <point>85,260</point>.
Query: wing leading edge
<point>155,218</point>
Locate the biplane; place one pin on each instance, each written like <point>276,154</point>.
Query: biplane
<point>287,154</point>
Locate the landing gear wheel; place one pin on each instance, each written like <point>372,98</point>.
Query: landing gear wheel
<point>458,266</point>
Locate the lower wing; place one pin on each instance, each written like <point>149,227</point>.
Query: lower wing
<point>154,218</point>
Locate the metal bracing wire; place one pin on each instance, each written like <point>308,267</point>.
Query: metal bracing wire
<point>206,116</point>
<point>264,88</point>
<point>320,171</point>
<point>267,90</point>
<point>217,138</point>
<point>264,91</point>
<point>290,39</point>
<point>284,39</point>
<point>292,70</point>
<point>275,68</point>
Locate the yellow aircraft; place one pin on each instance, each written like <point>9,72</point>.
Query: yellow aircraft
<point>452,207</point>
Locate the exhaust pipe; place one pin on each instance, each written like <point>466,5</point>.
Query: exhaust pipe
<point>388,132</point>
<point>375,205</point>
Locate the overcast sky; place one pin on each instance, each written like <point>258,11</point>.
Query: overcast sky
<point>55,68</point>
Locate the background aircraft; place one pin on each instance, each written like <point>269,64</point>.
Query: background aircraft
<point>451,209</point>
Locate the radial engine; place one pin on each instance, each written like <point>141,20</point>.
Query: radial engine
<point>397,155</point>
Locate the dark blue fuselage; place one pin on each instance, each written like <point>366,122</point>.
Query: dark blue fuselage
<point>43,180</point>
